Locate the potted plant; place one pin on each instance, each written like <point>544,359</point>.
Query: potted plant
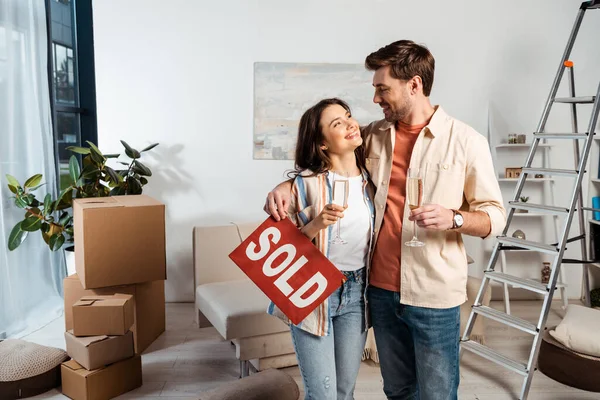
<point>523,199</point>
<point>53,217</point>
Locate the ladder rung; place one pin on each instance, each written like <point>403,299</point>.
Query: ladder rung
<point>561,135</point>
<point>506,319</point>
<point>494,356</point>
<point>538,207</point>
<point>566,172</point>
<point>527,244</point>
<point>527,284</point>
<point>576,100</point>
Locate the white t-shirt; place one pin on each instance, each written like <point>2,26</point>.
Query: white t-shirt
<point>355,228</point>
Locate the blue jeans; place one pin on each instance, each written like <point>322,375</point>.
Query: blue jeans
<point>329,364</point>
<point>418,348</point>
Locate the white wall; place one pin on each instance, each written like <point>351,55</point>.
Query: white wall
<point>180,72</point>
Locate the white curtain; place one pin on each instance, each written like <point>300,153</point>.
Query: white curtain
<point>31,275</point>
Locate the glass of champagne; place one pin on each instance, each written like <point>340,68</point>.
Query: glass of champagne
<point>414,196</point>
<point>340,198</point>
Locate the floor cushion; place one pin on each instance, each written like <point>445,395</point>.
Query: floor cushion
<point>579,330</point>
<point>28,369</point>
<point>271,384</point>
<point>567,366</point>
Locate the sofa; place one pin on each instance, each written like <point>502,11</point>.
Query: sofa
<point>229,301</point>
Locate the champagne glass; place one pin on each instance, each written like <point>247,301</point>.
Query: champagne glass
<point>340,198</point>
<point>414,196</point>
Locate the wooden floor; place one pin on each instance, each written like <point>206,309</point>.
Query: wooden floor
<point>186,361</point>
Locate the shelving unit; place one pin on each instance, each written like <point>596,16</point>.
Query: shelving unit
<point>592,226</point>
<point>542,187</point>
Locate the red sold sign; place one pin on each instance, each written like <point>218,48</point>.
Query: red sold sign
<point>287,267</point>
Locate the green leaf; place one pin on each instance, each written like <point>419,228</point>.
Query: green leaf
<point>45,227</point>
<point>32,211</point>
<point>130,151</point>
<point>64,218</point>
<point>33,181</point>
<point>90,171</point>
<point>37,187</point>
<point>124,163</point>
<point>111,155</point>
<point>141,168</point>
<point>79,150</point>
<point>97,157</point>
<point>118,191</point>
<point>64,199</point>
<point>150,147</point>
<point>16,237</point>
<point>20,202</point>
<point>134,186</point>
<point>74,169</point>
<point>12,180</point>
<point>143,181</point>
<point>31,224</point>
<point>12,189</point>
<point>47,202</point>
<point>56,241</point>
<point>93,147</point>
<point>112,174</point>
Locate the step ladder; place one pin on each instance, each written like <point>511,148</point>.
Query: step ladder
<point>504,242</point>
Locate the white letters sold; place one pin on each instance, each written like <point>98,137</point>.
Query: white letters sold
<point>272,234</point>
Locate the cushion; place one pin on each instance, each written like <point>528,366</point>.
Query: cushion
<point>237,309</point>
<point>28,369</point>
<point>266,385</point>
<point>567,366</point>
<point>579,330</point>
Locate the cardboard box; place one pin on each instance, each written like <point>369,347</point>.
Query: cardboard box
<point>103,315</point>
<point>119,240</point>
<point>149,307</point>
<point>101,384</point>
<point>93,352</point>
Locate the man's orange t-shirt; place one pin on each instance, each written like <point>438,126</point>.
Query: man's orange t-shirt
<point>385,265</point>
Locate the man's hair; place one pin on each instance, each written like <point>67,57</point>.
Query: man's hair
<point>406,59</point>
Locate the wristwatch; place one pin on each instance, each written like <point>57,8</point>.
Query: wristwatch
<point>457,220</point>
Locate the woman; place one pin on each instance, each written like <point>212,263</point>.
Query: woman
<point>329,342</point>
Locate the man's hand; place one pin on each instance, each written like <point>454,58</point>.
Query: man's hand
<point>432,216</point>
<point>278,200</point>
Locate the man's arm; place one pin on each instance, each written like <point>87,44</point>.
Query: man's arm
<point>436,217</point>
<point>278,200</point>
<point>486,215</point>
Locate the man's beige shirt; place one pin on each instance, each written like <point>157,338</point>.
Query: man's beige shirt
<point>458,174</point>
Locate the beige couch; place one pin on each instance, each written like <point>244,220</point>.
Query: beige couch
<point>226,299</point>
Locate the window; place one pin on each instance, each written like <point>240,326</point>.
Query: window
<point>71,61</point>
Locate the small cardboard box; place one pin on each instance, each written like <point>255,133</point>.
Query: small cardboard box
<point>93,352</point>
<point>101,384</point>
<point>149,307</point>
<point>103,315</point>
<point>119,240</point>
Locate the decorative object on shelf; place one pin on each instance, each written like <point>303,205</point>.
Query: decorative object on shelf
<point>523,199</point>
<point>546,272</point>
<point>595,297</point>
<point>512,138</point>
<point>519,234</point>
<point>539,176</point>
<point>596,204</point>
<point>513,172</point>
<point>53,217</point>
<point>521,138</point>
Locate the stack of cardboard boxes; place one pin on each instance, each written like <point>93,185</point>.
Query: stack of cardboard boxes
<point>115,304</point>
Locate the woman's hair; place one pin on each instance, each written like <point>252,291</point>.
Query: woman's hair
<point>309,154</point>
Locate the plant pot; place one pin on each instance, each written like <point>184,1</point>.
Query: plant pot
<point>70,259</point>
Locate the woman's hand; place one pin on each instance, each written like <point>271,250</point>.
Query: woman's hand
<point>329,216</point>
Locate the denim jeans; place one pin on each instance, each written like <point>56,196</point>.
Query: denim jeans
<point>329,364</point>
<point>418,348</point>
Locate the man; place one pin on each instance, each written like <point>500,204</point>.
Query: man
<point>415,292</point>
